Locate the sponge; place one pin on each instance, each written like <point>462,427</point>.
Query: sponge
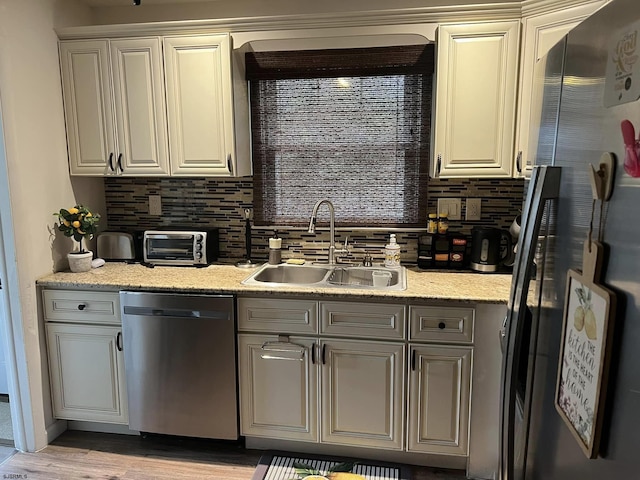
<point>295,261</point>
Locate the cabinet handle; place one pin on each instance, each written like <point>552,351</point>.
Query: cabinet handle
<point>111,161</point>
<point>442,325</point>
<point>438,165</point>
<point>324,351</point>
<point>230,164</point>
<point>413,361</point>
<point>313,353</point>
<point>271,350</point>
<point>519,162</point>
<point>119,341</point>
<point>120,163</point>
<point>82,306</point>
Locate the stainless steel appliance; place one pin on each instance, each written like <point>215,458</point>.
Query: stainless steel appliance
<point>486,251</point>
<point>180,247</point>
<point>115,246</point>
<point>574,130</point>
<point>180,363</point>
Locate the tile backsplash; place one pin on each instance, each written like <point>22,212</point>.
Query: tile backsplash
<point>214,202</point>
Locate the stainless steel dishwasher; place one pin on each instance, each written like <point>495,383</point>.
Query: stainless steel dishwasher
<point>180,363</point>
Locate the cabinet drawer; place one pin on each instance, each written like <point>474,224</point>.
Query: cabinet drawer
<point>277,315</point>
<point>441,324</point>
<point>376,320</point>
<point>82,306</point>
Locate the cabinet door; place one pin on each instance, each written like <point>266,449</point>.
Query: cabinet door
<point>439,389</point>
<point>138,88</point>
<point>475,99</point>
<point>541,33</point>
<point>89,118</point>
<point>200,104</point>
<point>86,366</point>
<point>278,387</point>
<point>362,393</point>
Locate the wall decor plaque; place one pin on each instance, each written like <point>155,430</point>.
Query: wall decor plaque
<point>585,352</point>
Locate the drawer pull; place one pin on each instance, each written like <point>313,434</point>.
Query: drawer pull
<point>413,361</point>
<point>324,351</point>
<point>82,306</point>
<point>272,349</point>
<point>313,353</point>
<point>442,325</point>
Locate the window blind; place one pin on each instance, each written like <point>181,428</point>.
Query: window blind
<point>350,125</point>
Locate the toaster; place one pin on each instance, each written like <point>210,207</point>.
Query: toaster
<point>115,246</point>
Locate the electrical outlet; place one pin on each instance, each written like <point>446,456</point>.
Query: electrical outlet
<point>474,209</point>
<point>451,206</point>
<point>155,205</point>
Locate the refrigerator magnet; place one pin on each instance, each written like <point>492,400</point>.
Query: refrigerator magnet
<point>585,352</point>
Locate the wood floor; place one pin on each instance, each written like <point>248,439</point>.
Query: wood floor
<point>85,455</point>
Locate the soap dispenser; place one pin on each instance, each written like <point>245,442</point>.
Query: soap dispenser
<point>392,252</point>
<point>275,254</point>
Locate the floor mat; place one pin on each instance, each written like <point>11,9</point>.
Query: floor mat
<point>287,466</point>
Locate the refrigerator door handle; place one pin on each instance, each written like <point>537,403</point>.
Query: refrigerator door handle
<point>502,333</point>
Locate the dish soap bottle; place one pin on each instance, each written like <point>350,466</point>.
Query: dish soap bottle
<point>392,252</point>
<point>275,244</point>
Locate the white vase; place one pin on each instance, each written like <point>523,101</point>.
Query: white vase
<point>80,262</point>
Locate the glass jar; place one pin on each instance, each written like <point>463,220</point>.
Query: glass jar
<point>432,223</point>
<point>443,224</point>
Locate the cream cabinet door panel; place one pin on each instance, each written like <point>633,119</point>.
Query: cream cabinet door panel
<point>278,387</point>
<point>138,87</point>
<point>362,393</point>
<point>439,391</point>
<point>541,33</point>
<point>87,373</point>
<point>475,99</point>
<point>200,104</point>
<point>88,109</point>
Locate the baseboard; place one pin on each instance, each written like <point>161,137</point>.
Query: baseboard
<point>56,429</point>
<point>100,427</point>
<point>438,461</point>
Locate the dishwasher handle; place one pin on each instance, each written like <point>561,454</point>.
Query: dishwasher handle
<point>173,312</point>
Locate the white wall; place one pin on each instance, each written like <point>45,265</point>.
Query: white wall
<point>148,12</point>
<point>38,179</point>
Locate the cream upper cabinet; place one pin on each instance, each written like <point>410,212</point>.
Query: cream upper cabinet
<point>200,105</point>
<point>114,106</point>
<point>476,80</point>
<point>540,33</point>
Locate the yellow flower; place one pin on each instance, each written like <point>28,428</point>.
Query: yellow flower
<point>76,224</point>
<point>73,210</point>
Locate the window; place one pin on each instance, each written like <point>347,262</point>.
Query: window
<point>349,125</point>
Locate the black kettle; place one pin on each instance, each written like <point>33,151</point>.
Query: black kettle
<point>486,248</point>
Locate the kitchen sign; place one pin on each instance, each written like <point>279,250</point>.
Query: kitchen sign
<point>585,351</point>
<point>622,81</point>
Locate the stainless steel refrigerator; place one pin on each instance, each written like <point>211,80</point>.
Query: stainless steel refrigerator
<point>574,130</point>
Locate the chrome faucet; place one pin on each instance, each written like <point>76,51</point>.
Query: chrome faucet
<point>332,230</point>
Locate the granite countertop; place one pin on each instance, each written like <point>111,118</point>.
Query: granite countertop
<point>421,285</point>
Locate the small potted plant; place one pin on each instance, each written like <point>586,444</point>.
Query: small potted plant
<point>78,222</point>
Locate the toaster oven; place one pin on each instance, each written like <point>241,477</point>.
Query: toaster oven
<point>180,247</point>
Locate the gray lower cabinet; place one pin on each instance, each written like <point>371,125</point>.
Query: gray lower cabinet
<point>338,373</point>
<point>86,362</point>
<point>439,388</point>
<point>319,388</point>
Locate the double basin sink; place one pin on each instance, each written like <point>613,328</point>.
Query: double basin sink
<point>337,276</point>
